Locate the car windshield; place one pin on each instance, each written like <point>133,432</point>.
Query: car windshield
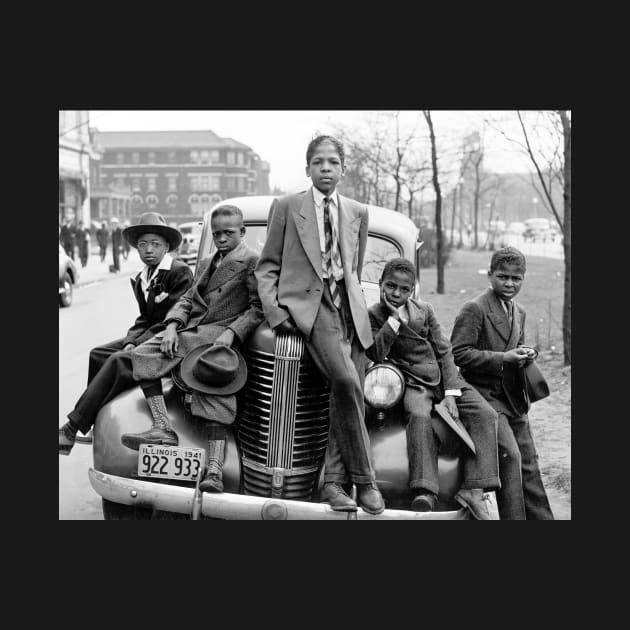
<point>378,251</point>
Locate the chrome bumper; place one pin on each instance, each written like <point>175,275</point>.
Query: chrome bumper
<point>231,506</point>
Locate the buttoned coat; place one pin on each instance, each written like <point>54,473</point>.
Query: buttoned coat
<point>420,349</point>
<point>289,272</point>
<point>228,298</point>
<point>174,282</point>
<point>481,334</point>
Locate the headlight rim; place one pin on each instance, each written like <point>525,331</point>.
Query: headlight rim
<point>398,372</point>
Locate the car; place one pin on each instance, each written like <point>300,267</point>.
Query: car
<point>191,235</point>
<point>68,277</point>
<point>537,229</point>
<point>274,458</point>
<point>516,227</point>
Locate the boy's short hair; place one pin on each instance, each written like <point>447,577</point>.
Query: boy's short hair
<point>313,144</point>
<point>507,256</point>
<point>399,264</point>
<point>228,211</point>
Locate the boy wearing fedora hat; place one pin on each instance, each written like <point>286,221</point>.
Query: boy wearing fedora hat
<point>488,345</point>
<point>157,287</point>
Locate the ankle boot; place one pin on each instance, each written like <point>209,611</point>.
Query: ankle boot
<point>160,433</point>
<point>213,481</point>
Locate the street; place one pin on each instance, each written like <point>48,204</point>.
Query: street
<point>102,311</point>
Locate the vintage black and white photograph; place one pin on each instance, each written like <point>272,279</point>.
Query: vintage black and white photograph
<point>312,314</point>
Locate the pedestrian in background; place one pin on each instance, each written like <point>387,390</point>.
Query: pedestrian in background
<point>125,246</point>
<point>116,244</point>
<point>67,236</point>
<point>83,242</point>
<point>102,236</point>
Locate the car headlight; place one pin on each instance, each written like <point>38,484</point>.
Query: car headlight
<point>384,386</point>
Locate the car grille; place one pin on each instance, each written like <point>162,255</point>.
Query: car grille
<point>283,421</point>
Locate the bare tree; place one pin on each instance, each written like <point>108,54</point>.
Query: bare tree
<point>438,205</point>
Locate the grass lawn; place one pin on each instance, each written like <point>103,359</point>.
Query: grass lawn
<point>541,296</point>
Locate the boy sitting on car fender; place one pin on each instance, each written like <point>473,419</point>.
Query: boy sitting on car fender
<point>220,309</point>
<point>407,333</point>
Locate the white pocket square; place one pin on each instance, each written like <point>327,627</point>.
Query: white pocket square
<point>161,297</point>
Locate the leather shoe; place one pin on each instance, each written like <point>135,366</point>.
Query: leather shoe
<point>66,442</point>
<point>211,483</point>
<point>369,498</point>
<point>336,497</point>
<point>86,439</point>
<point>424,502</point>
<point>477,502</point>
<point>164,437</point>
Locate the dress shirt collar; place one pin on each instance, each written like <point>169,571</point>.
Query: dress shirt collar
<point>318,197</point>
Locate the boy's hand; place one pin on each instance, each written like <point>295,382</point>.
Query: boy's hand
<point>129,347</point>
<point>517,357</point>
<point>286,327</point>
<point>451,406</point>
<point>226,338</point>
<point>393,311</point>
<point>170,342</point>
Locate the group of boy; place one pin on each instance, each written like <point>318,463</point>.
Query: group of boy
<point>307,281</point>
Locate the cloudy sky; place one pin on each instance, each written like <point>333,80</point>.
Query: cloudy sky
<point>280,136</point>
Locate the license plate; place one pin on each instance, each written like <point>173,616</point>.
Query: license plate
<point>170,462</point>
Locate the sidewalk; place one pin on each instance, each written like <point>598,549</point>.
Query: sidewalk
<point>97,271</point>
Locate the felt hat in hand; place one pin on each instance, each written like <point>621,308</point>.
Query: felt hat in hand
<point>152,223</point>
<point>214,370</point>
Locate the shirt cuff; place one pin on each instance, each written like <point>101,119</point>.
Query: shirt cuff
<point>394,323</point>
<point>453,392</point>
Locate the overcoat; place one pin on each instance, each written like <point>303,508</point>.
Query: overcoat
<point>289,272</point>
<point>227,298</point>
<point>481,334</point>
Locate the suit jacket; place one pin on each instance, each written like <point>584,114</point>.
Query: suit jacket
<point>227,298</point>
<point>420,349</point>
<point>289,272</point>
<point>174,281</point>
<point>481,334</point>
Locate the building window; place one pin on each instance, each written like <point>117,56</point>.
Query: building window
<point>215,182</point>
<point>241,184</point>
<point>214,157</point>
<point>120,158</point>
<point>151,157</point>
<point>230,157</point>
<point>241,158</point>
<point>216,198</point>
<point>171,157</point>
<point>193,202</point>
<point>230,184</point>
<point>135,184</point>
<point>204,157</point>
<point>194,157</point>
<point>152,202</point>
<point>120,182</point>
<point>171,201</point>
<point>172,184</point>
<point>136,201</point>
<point>135,158</point>
<point>205,203</point>
<point>151,184</point>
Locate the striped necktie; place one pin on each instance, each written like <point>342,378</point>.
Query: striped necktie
<point>508,306</point>
<point>330,251</point>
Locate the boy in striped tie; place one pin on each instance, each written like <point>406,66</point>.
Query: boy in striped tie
<point>309,282</point>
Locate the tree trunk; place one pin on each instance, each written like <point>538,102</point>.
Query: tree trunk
<point>438,208</point>
<point>566,310</point>
<point>453,214</point>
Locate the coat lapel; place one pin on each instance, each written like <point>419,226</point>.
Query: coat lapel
<point>231,265</point>
<point>416,321</point>
<point>306,223</point>
<point>349,223</point>
<point>498,316</point>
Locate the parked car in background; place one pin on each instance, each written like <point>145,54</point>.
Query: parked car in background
<point>538,229</point>
<point>191,236</point>
<point>274,455</point>
<point>516,228</point>
<point>68,277</point>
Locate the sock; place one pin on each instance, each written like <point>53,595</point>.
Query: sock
<point>151,388</point>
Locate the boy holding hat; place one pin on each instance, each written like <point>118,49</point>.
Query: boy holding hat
<point>488,337</point>
<point>221,309</point>
<point>157,287</point>
<point>407,333</point>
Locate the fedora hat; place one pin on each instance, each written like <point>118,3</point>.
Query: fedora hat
<point>153,223</point>
<point>214,369</point>
<point>535,383</point>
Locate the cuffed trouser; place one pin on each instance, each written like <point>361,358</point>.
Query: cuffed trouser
<point>114,377</point>
<point>100,354</point>
<point>522,494</point>
<point>480,470</point>
<point>340,358</point>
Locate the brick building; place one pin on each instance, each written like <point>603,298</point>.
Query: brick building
<point>180,174</point>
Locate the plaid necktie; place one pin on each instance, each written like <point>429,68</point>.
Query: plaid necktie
<point>330,251</point>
